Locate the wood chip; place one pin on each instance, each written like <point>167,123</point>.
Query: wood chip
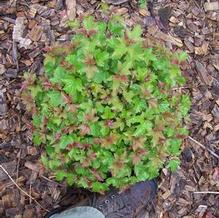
<point>216,128</point>
<point>71,9</point>
<point>2,69</point>
<point>116,2</point>
<point>155,32</point>
<point>32,166</point>
<point>36,33</point>
<point>202,50</point>
<point>144,12</point>
<point>121,11</point>
<point>174,20</point>
<point>10,167</point>
<point>211,6</point>
<point>205,77</point>
<point>32,12</point>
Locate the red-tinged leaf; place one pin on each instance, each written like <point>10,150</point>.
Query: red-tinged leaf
<point>69,129</point>
<point>146,93</point>
<point>67,99</point>
<point>86,145</point>
<point>84,129</point>
<point>72,108</point>
<point>97,141</point>
<point>97,175</point>
<point>152,102</point>
<point>109,140</point>
<point>109,123</point>
<point>180,136</point>
<point>67,66</point>
<point>91,116</point>
<point>116,166</point>
<point>90,61</point>
<point>58,136</point>
<point>91,33</point>
<point>175,62</point>
<point>86,163</point>
<point>138,143</point>
<point>128,40</point>
<point>159,125</point>
<point>135,158</point>
<point>121,78</point>
<point>161,84</point>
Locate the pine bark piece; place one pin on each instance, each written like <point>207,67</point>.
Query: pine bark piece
<point>3,105</point>
<point>116,2</point>
<point>71,9</point>
<point>205,77</point>
<point>2,69</point>
<point>36,33</point>
<point>70,12</point>
<point>18,31</point>
<point>155,32</point>
<point>10,167</point>
<point>211,6</point>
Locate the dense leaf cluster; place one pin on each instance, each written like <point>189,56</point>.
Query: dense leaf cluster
<point>107,111</point>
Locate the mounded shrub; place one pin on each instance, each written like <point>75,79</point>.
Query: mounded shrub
<point>108,111</point>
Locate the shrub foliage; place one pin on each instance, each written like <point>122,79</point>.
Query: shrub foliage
<point>107,112</point>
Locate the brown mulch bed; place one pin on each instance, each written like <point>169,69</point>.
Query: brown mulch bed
<point>26,27</point>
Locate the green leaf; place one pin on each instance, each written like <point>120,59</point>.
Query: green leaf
<point>35,90</point>
<point>183,56</point>
<point>70,179</point>
<point>60,175</point>
<point>58,75</point>
<point>141,172</point>
<point>89,23</point>
<point>95,129</point>
<point>173,164</point>
<point>107,113</point>
<point>116,26</point>
<point>77,154</point>
<point>120,49</point>
<point>174,146</point>
<point>99,187</point>
<point>143,128</point>
<point>100,76</point>
<point>135,33</point>
<point>142,3</point>
<point>72,85</point>
<point>54,164</point>
<point>185,104</point>
<point>55,98</point>
<point>37,138</point>
<point>65,140</point>
<point>37,121</point>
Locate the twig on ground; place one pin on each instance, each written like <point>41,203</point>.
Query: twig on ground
<point>207,192</point>
<point>204,147</point>
<point>18,163</point>
<point>50,180</point>
<point>24,192</point>
<point>30,199</point>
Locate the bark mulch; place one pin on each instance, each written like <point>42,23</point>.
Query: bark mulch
<point>27,27</point>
